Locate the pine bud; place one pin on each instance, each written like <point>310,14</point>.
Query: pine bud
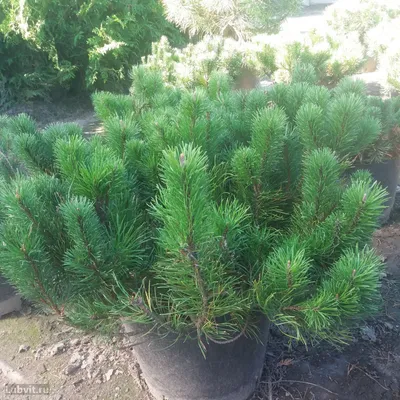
<point>289,273</point>
<point>364,199</point>
<point>17,195</point>
<point>182,160</point>
<point>354,273</point>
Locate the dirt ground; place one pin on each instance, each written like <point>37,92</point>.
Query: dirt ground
<point>40,349</point>
<point>76,109</point>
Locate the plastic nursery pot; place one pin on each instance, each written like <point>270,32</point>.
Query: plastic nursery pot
<point>246,80</point>
<point>175,368</point>
<point>387,174</point>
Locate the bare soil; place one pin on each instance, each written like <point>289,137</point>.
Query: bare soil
<point>77,109</point>
<point>106,369</point>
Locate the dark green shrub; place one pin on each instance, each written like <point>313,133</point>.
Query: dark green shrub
<point>76,43</point>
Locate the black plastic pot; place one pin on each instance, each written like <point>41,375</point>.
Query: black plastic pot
<point>387,174</point>
<point>175,369</point>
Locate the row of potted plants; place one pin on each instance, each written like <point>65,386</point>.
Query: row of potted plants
<point>198,219</point>
<point>355,37</point>
<point>264,57</point>
<point>375,25</point>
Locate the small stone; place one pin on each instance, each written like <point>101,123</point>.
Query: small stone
<point>117,389</point>
<point>75,342</point>
<point>118,372</point>
<point>71,369</point>
<point>42,369</point>
<point>109,374</point>
<point>98,381</point>
<point>127,390</point>
<point>89,361</point>
<point>78,382</point>
<point>389,325</point>
<point>86,339</point>
<point>96,373</point>
<point>58,348</point>
<point>23,348</point>
<point>368,333</point>
<point>102,358</point>
<point>74,364</point>
<point>38,353</point>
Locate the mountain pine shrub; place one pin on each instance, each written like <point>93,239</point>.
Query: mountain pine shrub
<point>197,210</point>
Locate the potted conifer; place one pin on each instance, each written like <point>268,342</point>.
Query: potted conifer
<point>197,220</point>
<point>362,130</point>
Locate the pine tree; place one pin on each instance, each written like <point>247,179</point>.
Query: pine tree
<point>199,209</point>
<point>229,18</point>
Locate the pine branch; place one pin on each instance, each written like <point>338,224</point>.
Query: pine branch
<point>47,299</point>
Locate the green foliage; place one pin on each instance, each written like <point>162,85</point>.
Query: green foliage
<point>346,17</point>
<point>343,293</point>
<point>382,37</point>
<point>350,123</point>
<point>59,43</point>
<point>323,59</point>
<point>197,214</point>
<point>391,70</point>
<point>304,73</point>
<point>297,53</point>
<point>370,27</point>
<point>230,18</point>
<point>34,235</point>
<point>329,57</point>
<point>194,64</point>
<point>107,105</point>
